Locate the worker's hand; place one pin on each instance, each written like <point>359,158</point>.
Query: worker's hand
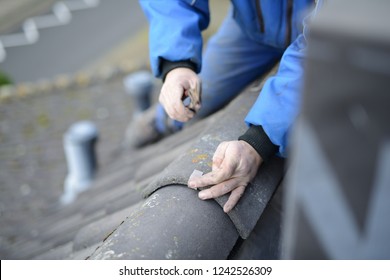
<point>180,83</point>
<point>235,164</point>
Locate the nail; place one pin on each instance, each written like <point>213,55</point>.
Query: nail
<point>227,208</point>
<point>202,195</point>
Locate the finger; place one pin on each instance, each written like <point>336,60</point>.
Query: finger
<point>180,113</point>
<point>198,106</point>
<point>233,198</point>
<point>163,101</point>
<point>219,189</point>
<point>170,98</point>
<point>214,177</point>
<point>219,155</point>
<point>172,108</point>
<point>203,181</point>
<point>195,174</point>
<point>194,93</point>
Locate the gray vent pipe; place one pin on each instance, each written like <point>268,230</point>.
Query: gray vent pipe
<point>139,86</point>
<point>79,145</point>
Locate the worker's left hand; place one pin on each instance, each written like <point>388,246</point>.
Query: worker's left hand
<point>235,164</point>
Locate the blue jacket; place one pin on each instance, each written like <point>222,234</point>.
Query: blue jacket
<point>276,23</point>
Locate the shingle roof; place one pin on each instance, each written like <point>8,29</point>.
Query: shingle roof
<point>173,213</point>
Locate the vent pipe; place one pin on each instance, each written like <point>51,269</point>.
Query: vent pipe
<point>139,86</point>
<point>79,145</point>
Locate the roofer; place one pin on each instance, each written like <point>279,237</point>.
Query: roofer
<point>253,37</point>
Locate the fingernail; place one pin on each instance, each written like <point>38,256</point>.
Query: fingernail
<point>191,184</point>
<point>202,195</point>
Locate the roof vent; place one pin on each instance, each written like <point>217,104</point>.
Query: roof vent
<point>139,86</point>
<point>79,145</point>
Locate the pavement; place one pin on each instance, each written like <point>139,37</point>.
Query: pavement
<point>13,13</point>
<point>69,45</point>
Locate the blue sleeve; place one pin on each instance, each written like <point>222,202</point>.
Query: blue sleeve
<point>278,103</point>
<point>175,30</point>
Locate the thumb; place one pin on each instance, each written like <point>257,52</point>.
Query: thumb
<point>194,93</point>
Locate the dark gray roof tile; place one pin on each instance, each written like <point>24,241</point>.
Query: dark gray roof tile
<point>84,253</point>
<point>172,224</point>
<point>57,253</point>
<point>269,236</point>
<point>98,230</point>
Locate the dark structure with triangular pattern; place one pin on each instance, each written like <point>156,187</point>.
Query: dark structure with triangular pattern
<point>339,185</point>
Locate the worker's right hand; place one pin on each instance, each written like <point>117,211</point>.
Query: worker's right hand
<point>180,83</point>
<point>235,164</point>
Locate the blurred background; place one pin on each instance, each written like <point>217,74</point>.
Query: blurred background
<point>62,62</point>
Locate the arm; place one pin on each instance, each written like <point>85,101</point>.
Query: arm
<point>175,32</point>
<point>235,163</point>
<point>278,103</point>
<point>175,51</point>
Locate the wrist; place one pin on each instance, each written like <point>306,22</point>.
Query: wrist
<point>253,154</point>
<point>167,66</point>
<point>256,137</point>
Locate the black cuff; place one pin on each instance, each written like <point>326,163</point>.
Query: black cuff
<point>167,66</point>
<point>259,140</point>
